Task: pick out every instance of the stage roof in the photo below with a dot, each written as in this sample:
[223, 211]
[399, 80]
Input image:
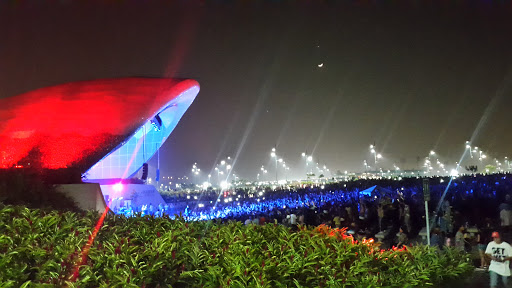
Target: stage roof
[107, 128]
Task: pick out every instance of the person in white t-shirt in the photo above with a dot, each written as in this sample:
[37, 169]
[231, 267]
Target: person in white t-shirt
[500, 253]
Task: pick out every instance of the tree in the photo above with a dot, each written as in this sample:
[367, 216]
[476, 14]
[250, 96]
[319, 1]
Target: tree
[490, 169]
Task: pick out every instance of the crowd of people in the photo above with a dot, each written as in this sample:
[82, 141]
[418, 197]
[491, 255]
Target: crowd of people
[393, 211]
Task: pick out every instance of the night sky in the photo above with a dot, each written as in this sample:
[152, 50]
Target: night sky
[410, 78]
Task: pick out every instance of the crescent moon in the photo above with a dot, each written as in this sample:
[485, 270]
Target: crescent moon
[321, 65]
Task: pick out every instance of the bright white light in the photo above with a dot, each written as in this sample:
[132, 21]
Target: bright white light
[224, 185]
[222, 162]
[195, 197]
[379, 156]
[321, 65]
[188, 196]
[484, 156]
[310, 158]
[273, 149]
[228, 167]
[280, 160]
[118, 187]
[322, 187]
[372, 150]
[371, 146]
[226, 200]
[432, 153]
[272, 154]
[260, 193]
[303, 154]
[200, 205]
[454, 173]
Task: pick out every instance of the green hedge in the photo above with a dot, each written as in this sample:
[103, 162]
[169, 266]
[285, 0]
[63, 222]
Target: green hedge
[41, 249]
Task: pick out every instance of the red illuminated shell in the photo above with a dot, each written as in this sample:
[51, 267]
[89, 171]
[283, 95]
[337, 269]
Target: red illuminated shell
[78, 123]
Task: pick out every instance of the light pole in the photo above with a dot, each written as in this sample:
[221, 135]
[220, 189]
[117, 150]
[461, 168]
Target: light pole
[309, 159]
[195, 169]
[263, 170]
[431, 155]
[427, 165]
[498, 164]
[375, 155]
[274, 155]
[482, 156]
[372, 150]
[468, 146]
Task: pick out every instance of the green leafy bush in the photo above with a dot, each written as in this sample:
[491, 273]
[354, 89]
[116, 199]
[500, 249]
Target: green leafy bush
[44, 248]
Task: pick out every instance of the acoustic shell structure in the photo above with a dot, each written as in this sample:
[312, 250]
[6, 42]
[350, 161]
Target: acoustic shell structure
[106, 128]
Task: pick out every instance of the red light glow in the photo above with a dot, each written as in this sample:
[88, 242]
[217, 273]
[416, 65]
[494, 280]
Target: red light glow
[78, 123]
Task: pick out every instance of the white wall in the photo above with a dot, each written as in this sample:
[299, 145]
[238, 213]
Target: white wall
[87, 196]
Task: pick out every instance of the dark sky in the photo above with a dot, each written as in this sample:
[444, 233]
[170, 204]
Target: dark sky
[409, 77]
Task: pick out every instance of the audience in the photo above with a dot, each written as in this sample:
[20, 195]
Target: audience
[396, 208]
